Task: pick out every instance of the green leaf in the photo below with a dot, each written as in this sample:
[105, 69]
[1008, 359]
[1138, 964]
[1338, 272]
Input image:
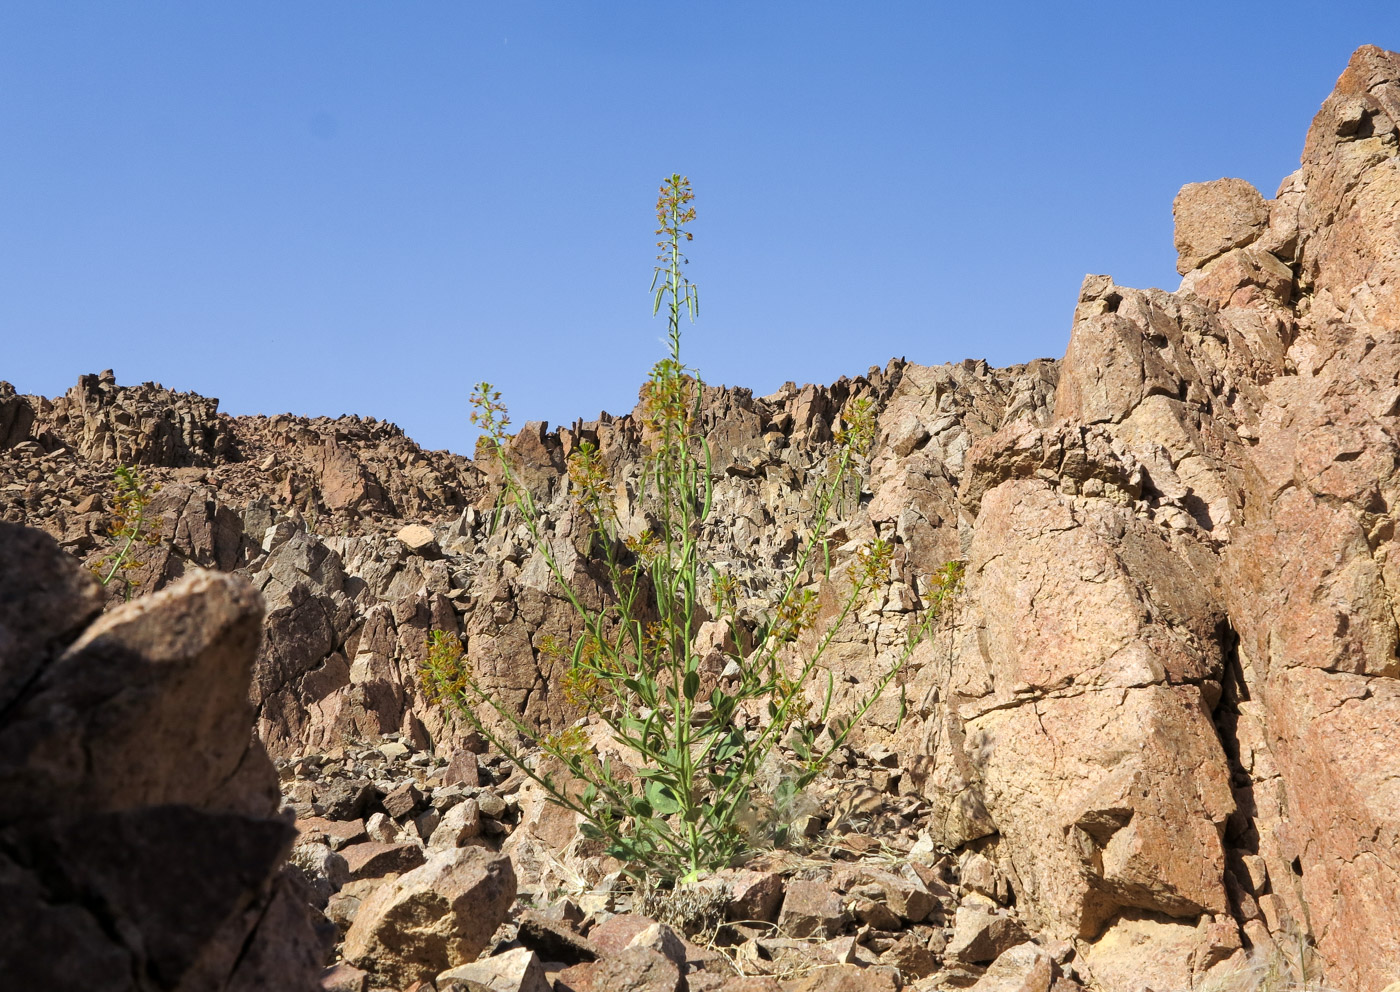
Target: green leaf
[659, 775]
[662, 798]
[692, 684]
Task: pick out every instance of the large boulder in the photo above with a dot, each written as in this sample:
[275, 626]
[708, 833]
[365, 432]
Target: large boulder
[1214, 217]
[137, 814]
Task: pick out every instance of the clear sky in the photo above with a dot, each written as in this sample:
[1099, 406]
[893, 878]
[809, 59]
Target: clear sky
[330, 207]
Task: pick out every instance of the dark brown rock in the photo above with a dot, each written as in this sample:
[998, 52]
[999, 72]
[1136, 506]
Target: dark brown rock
[554, 940]
[462, 769]
[403, 800]
[345, 800]
[373, 859]
[46, 599]
[16, 417]
[138, 819]
[912, 957]
[635, 969]
[754, 895]
[811, 909]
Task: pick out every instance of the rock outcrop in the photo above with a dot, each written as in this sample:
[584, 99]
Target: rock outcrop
[1157, 732]
[140, 846]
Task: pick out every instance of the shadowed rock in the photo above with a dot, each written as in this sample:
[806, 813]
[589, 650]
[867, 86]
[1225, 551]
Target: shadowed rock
[139, 846]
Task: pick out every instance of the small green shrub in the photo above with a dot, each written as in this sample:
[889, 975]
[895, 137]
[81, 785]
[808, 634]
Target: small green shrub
[131, 495]
[688, 804]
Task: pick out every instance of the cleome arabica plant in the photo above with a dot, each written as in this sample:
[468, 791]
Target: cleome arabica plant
[686, 802]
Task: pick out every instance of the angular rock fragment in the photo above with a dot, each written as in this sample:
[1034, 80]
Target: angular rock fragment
[850, 978]
[753, 895]
[1022, 968]
[511, 971]
[1214, 217]
[554, 940]
[811, 909]
[634, 969]
[375, 859]
[343, 978]
[433, 918]
[981, 935]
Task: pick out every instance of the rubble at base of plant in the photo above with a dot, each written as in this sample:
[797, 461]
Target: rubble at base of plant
[867, 902]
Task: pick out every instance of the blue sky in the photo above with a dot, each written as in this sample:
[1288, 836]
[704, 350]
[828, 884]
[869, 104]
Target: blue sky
[331, 208]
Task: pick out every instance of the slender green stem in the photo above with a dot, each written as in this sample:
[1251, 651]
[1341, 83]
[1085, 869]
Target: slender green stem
[121, 557]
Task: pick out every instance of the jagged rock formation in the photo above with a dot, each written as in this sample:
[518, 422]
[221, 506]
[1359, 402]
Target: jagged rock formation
[139, 842]
[1166, 707]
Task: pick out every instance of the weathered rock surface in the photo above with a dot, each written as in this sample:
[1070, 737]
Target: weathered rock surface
[1213, 218]
[433, 918]
[139, 842]
[635, 969]
[1022, 968]
[514, 971]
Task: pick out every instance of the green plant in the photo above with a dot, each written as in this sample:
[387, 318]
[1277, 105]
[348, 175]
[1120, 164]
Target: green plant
[687, 805]
[131, 495]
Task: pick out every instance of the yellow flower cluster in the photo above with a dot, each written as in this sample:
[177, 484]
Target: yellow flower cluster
[569, 743]
[588, 480]
[445, 674]
[857, 432]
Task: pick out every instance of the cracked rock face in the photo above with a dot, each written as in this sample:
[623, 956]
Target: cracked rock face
[139, 846]
[1164, 712]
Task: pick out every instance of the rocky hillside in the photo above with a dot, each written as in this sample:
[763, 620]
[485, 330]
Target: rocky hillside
[1162, 722]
